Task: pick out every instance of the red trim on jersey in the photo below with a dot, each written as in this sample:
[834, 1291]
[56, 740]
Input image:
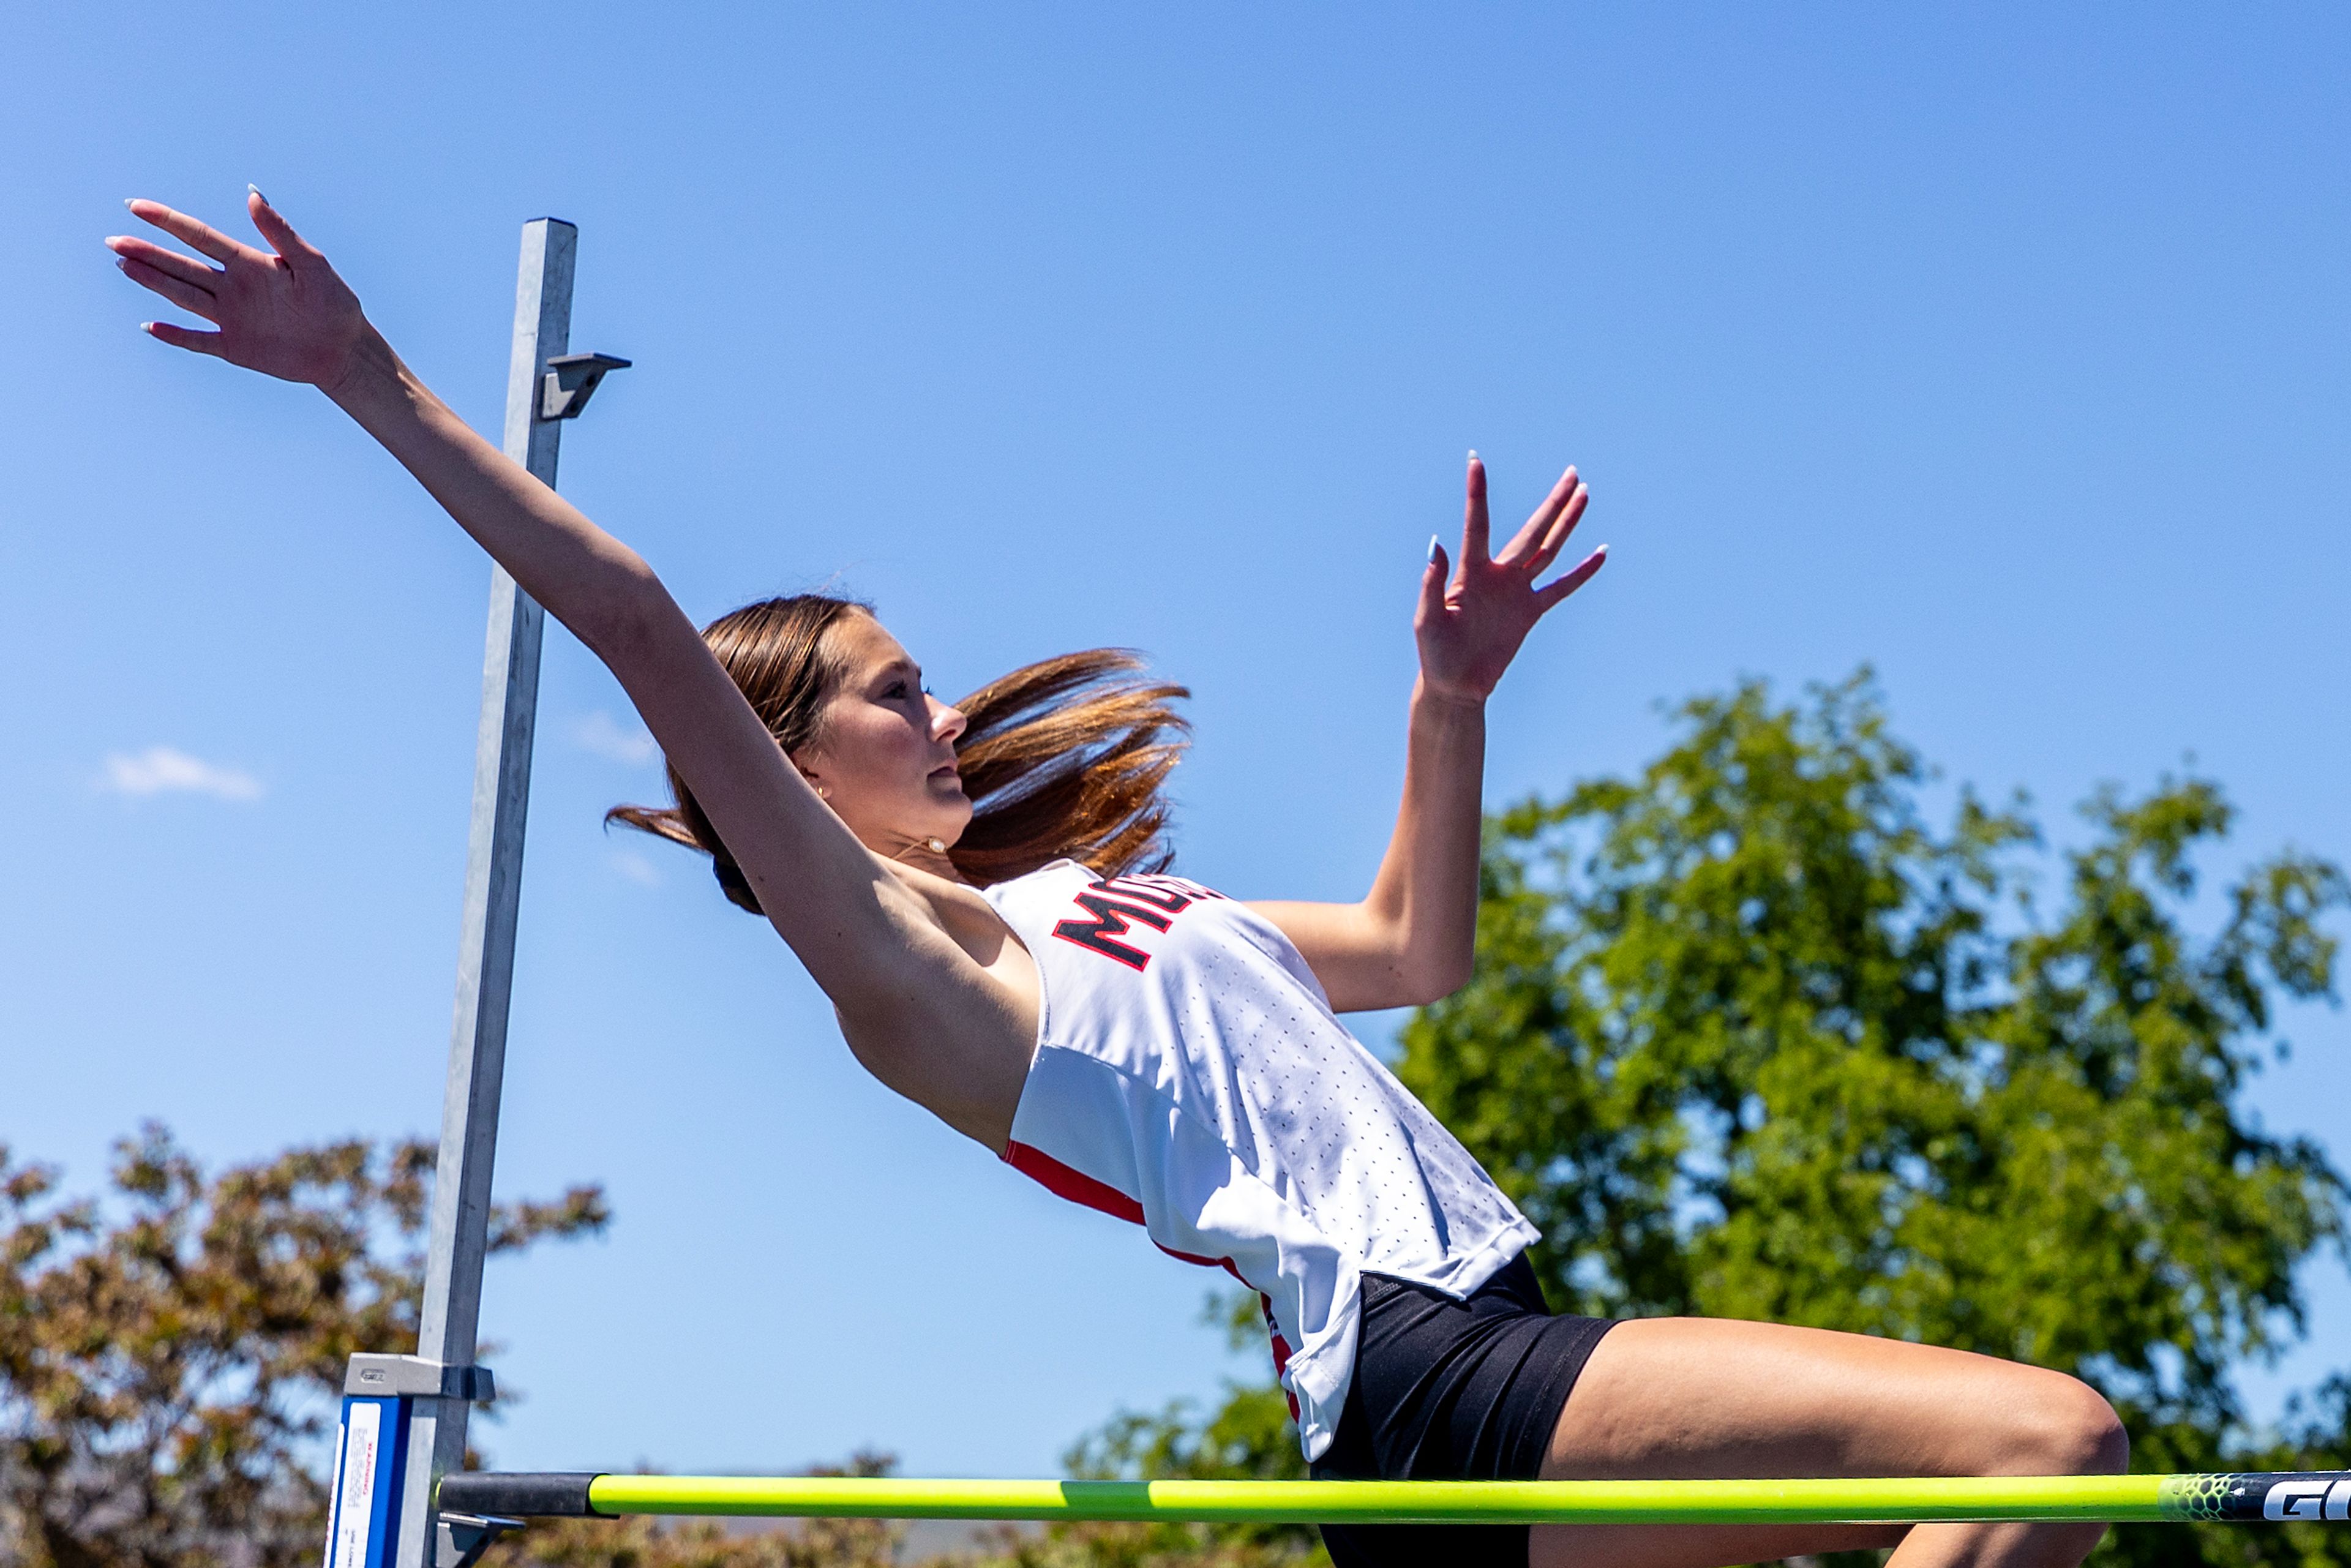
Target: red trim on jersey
[1224, 1263]
[1280, 1351]
[1063, 1181]
[1273, 1332]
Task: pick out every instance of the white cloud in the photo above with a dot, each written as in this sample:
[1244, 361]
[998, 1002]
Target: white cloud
[614, 740]
[636, 868]
[167, 770]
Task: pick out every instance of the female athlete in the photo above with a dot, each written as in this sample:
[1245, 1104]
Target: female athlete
[980, 894]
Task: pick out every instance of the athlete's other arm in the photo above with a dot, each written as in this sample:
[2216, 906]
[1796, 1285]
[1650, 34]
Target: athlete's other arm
[866, 939]
[1409, 941]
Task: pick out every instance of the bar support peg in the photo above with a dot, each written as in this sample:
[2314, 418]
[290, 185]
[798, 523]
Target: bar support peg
[570, 380]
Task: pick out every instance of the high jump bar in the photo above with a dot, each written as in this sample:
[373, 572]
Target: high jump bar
[2280, 1496]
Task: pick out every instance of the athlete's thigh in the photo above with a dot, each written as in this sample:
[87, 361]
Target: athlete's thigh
[1671, 1398]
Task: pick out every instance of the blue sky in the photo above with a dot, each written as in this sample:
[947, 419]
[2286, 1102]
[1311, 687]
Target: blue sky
[1998, 348]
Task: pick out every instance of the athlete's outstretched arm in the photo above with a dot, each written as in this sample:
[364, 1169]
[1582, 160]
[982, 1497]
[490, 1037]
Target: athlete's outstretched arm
[865, 937]
[1409, 941]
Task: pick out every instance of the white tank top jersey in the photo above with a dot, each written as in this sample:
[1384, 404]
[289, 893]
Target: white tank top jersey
[1191, 1076]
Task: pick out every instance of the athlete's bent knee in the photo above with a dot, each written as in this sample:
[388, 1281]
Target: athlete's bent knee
[2066, 1429]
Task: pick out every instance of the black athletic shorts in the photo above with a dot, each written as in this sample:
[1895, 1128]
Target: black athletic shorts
[1448, 1390]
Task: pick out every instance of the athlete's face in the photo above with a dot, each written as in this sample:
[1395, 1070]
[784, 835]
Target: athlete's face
[885, 752]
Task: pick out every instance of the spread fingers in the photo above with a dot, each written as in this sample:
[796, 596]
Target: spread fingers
[1581, 573]
[170, 263]
[1474, 522]
[1537, 528]
[186, 296]
[1561, 527]
[199, 236]
[184, 338]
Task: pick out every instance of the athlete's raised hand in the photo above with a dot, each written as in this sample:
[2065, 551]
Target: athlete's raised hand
[1471, 620]
[282, 312]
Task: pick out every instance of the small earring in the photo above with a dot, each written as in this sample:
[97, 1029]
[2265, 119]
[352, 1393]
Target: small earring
[937, 846]
[823, 793]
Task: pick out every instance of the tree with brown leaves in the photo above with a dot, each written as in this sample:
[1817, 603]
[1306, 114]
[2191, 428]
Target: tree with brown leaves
[172, 1356]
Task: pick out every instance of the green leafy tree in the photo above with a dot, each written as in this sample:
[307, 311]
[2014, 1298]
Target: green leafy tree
[168, 1359]
[1752, 1037]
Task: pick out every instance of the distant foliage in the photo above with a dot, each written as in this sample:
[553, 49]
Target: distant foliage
[169, 1357]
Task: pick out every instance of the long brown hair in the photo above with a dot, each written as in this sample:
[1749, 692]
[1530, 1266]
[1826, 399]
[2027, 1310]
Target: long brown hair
[1063, 759]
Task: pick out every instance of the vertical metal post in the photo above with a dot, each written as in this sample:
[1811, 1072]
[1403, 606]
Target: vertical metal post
[469, 1113]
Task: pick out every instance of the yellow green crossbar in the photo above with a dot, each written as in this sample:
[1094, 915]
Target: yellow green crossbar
[2282, 1495]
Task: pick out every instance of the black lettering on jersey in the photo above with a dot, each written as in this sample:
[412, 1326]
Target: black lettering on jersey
[1109, 922]
[1118, 904]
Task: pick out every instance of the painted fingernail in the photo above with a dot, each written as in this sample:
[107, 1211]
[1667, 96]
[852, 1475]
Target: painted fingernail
[1432, 549]
[257, 191]
[1473, 454]
[128, 200]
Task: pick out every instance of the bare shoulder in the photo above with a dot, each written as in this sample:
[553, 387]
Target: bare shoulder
[971, 922]
[962, 1049]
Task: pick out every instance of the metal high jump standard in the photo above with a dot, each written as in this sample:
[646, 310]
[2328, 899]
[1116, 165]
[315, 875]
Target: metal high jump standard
[401, 1498]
